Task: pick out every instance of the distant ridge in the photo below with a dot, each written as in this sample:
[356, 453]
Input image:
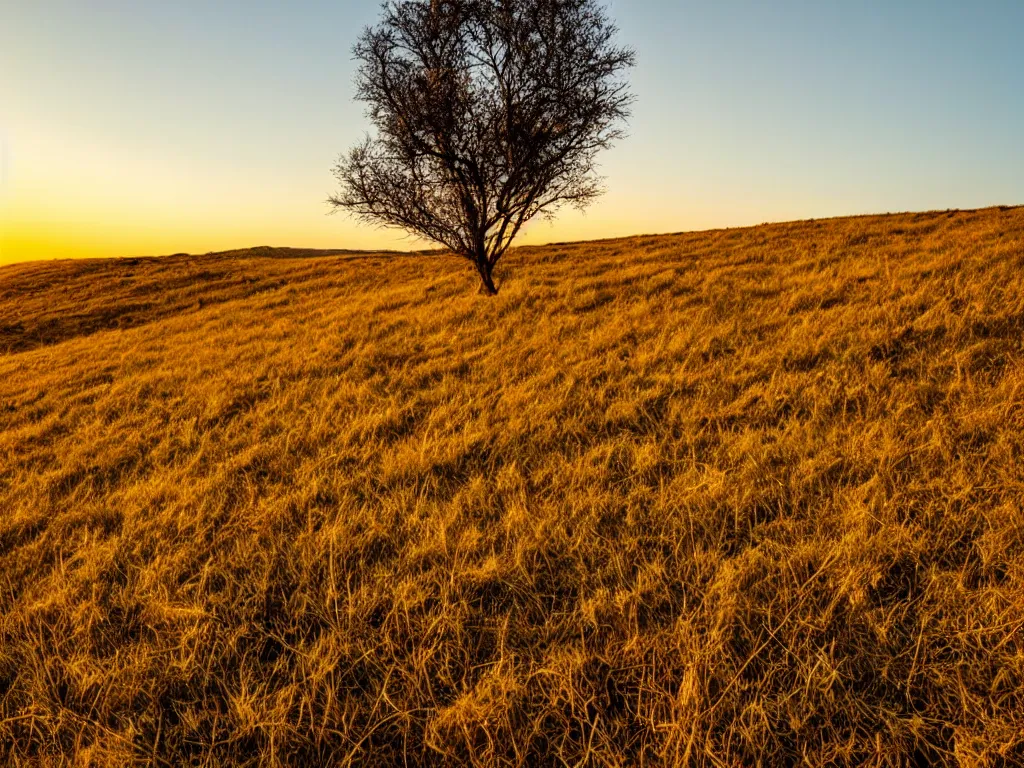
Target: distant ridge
[274, 252]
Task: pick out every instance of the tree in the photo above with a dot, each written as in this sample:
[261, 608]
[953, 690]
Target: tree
[487, 113]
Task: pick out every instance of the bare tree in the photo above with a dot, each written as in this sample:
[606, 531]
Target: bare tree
[487, 112]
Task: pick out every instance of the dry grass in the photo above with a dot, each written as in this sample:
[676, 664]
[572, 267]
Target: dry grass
[728, 498]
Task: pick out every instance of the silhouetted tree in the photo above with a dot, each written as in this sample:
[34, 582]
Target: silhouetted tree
[487, 113]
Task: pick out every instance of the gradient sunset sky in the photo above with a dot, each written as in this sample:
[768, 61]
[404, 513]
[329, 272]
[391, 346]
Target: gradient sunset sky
[131, 128]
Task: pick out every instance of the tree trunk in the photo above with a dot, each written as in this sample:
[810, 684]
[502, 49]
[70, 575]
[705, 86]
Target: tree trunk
[487, 286]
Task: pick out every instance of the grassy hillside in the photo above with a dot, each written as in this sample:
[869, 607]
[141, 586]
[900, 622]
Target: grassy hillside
[739, 497]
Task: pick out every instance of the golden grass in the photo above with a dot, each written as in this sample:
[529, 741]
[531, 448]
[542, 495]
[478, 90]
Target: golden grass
[727, 498]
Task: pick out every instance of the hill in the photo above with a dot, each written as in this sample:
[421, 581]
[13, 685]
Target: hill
[737, 497]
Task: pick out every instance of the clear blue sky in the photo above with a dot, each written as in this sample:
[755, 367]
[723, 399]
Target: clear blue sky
[149, 127]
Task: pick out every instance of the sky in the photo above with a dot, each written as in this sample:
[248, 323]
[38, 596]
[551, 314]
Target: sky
[133, 127]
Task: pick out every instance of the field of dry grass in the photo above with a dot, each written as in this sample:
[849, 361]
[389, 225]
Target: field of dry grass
[741, 497]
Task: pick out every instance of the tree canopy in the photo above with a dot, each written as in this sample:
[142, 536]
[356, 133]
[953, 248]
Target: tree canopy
[487, 113]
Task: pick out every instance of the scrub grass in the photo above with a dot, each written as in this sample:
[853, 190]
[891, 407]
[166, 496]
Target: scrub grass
[739, 497]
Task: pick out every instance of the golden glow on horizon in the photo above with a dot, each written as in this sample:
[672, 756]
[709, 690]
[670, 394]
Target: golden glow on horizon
[33, 231]
[79, 198]
[35, 225]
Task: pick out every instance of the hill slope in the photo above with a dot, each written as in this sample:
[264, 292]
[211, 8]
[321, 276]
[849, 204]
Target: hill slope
[713, 498]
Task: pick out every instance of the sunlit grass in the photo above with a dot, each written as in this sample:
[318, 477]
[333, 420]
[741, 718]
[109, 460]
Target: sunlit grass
[727, 498]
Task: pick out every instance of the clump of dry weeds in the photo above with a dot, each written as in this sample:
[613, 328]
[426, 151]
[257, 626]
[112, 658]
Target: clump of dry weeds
[727, 498]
